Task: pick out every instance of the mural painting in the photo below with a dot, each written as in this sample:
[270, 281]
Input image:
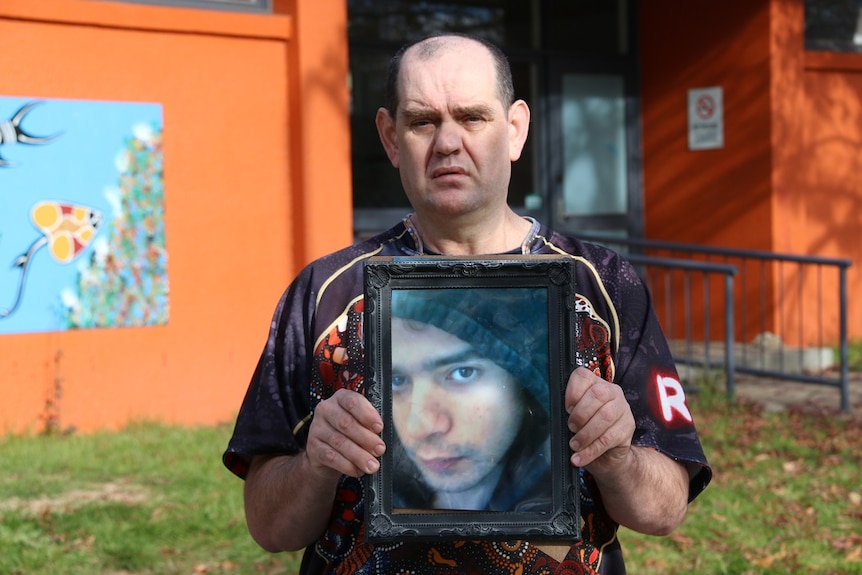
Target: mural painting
[82, 230]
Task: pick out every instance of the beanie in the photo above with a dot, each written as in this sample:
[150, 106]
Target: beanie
[508, 326]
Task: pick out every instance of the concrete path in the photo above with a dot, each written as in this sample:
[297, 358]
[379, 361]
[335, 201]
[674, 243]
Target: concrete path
[778, 395]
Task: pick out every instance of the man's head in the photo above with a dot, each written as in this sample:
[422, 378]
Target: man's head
[451, 127]
[469, 373]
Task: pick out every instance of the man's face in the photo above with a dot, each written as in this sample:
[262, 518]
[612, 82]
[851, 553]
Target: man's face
[453, 140]
[455, 412]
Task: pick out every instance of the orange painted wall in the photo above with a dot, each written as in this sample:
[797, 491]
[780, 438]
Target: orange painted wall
[787, 179]
[720, 197]
[818, 158]
[247, 200]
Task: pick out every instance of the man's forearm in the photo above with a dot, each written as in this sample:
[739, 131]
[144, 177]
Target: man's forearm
[648, 493]
[287, 505]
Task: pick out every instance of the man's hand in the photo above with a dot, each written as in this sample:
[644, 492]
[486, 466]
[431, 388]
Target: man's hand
[288, 497]
[344, 435]
[601, 419]
[642, 488]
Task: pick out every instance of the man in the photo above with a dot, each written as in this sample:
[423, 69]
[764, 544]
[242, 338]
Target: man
[305, 433]
[470, 399]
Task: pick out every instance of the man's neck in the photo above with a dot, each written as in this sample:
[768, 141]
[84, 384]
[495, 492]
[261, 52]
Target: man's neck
[461, 237]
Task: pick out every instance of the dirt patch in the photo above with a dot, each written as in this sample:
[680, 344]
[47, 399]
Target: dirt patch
[114, 492]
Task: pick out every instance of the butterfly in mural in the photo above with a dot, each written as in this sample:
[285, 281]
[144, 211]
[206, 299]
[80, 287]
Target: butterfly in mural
[66, 229]
[11, 131]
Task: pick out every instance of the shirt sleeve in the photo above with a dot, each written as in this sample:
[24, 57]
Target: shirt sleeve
[647, 373]
[276, 403]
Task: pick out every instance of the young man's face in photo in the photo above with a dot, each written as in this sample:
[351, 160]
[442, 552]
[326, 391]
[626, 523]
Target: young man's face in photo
[455, 412]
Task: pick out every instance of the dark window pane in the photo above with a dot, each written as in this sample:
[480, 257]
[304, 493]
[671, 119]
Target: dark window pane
[586, 27]
[523, 171]
[506, 22]
[833, 25]
[375, 182]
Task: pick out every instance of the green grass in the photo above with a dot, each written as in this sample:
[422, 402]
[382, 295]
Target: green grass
[155, 500]
[148, 500]
[854, 355]
[786, 497]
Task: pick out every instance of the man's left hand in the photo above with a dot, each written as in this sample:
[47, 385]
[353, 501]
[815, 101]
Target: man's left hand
[601, 419]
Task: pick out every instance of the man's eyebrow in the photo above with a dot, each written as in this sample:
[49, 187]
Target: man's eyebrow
[477, 110]
[418, 113]
[462, 356]
[415, 113]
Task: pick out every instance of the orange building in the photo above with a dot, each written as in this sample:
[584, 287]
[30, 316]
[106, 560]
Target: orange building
[260, 175]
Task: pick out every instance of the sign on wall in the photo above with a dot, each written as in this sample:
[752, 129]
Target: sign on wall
[82, 231]
[705, 119]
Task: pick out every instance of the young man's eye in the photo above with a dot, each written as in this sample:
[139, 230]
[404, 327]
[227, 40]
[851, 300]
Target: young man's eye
[399, 382]
[463, 374]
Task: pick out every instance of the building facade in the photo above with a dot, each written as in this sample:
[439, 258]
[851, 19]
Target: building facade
[271, 159]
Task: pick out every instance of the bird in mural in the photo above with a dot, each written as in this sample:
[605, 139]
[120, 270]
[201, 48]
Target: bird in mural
[11, 131]
[66, 229]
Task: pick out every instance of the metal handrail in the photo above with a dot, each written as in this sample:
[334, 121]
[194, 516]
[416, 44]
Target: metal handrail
[726, 270]
[840, 264]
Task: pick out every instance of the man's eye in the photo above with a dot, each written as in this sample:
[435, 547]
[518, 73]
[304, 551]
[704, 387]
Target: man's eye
[464, 374]
[399, 382]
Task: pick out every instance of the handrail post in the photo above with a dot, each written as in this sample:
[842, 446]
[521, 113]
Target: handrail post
[729, 335]
[844, 351]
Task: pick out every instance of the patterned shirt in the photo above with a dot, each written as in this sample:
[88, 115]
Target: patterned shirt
[315, 347]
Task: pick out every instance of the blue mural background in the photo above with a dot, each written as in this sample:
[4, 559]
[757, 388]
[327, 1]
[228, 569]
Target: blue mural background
[107, 157]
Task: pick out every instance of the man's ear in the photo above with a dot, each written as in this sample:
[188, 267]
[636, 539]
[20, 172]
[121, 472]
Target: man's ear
[388, 136]
[519, 127]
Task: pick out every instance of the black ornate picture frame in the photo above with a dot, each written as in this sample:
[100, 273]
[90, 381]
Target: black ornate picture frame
[467, 362]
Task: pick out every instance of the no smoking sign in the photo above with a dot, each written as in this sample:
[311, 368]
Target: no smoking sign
[705, 119]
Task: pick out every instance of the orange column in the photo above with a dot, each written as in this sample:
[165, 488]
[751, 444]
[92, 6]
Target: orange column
[320, 130]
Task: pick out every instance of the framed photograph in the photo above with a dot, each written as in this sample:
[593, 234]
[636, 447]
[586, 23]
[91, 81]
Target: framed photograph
[467, 362]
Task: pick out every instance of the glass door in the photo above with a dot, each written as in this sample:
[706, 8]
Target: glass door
[595, 166]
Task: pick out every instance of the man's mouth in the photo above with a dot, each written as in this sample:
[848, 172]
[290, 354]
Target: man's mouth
[440, 464]
[448, 171]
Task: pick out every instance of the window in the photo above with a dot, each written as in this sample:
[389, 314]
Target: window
[833, 25]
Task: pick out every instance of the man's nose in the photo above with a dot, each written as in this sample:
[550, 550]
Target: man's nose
[447, 140]
[429, 413]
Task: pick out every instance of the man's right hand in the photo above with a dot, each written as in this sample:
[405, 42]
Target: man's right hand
[344, 435]
[288, 497]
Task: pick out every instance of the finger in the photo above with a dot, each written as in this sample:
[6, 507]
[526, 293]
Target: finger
[347, 459]
[601, 421]
[340, 436]
[360, 408]
[330, 447]
[358, 420]
[580, 381]
[606, 430]
[585, 395]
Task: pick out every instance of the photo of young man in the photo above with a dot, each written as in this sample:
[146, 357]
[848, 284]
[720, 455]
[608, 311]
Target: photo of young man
[470, 399]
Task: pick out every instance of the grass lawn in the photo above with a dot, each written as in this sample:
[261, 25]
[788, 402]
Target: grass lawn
[155, 500]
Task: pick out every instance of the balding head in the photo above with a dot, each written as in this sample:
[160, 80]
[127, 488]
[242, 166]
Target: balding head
[432, 47]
